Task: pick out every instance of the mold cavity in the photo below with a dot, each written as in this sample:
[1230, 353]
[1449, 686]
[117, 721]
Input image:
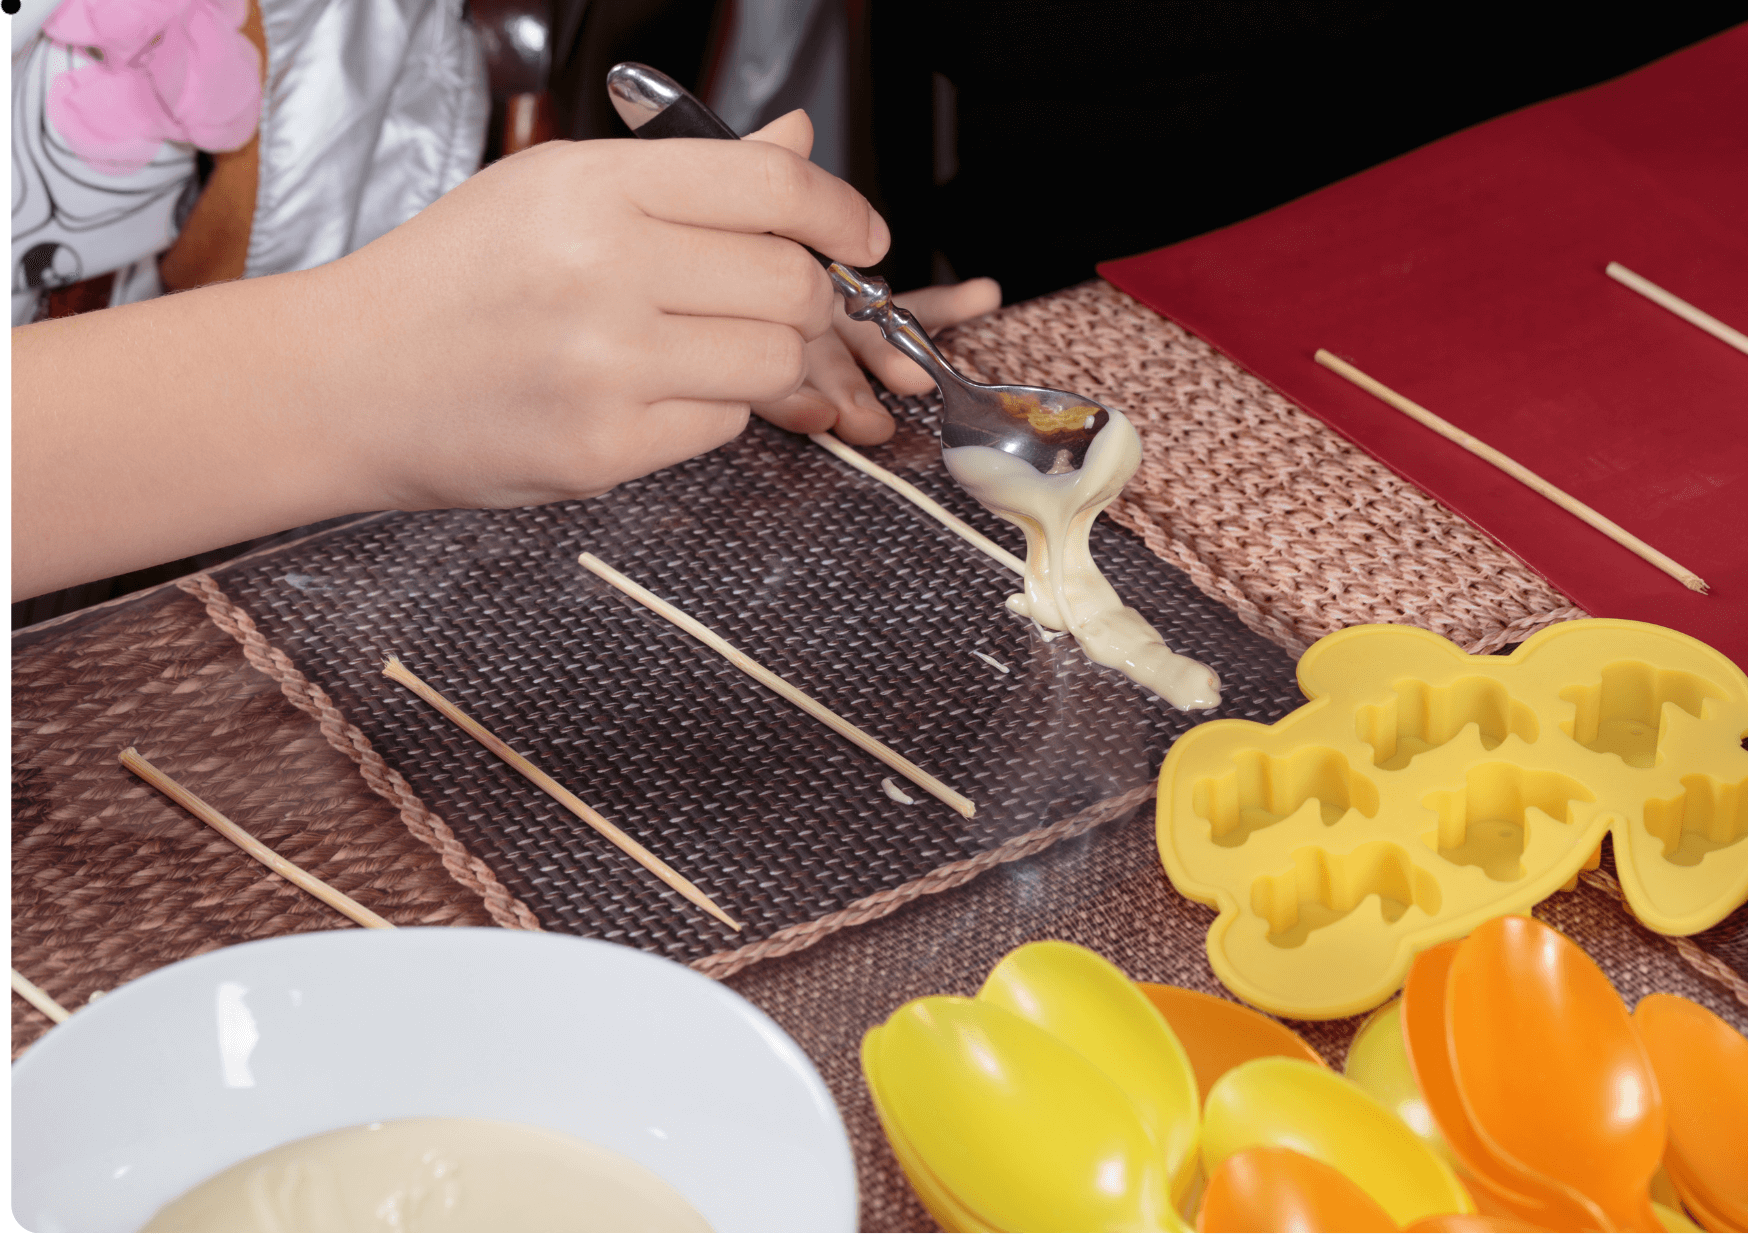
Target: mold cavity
[1704, 817]
[1262, 789]
[1321, 889]
[1485, 824]
[1421, 717]
[1624, 714]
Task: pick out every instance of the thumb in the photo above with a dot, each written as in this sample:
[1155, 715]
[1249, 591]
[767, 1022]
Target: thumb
[792, 131]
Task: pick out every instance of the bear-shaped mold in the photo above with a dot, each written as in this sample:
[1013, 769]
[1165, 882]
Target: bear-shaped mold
[1261, 790]
[1622, 713]
[1486, 822]
[1704, 817]
[1421, 717]
[1322, 888]
[1421, 790]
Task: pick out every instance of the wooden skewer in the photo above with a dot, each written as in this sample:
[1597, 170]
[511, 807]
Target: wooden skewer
[339, 900]
[1584, 512]
[397, 671]
[765, 676]
[1670, 302]
[849, 456]
[38, 998]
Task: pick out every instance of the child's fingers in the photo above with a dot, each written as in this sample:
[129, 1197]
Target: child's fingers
[731, 275]
[937, 307]
[944, 305]
[671, 431]
[793, 131]
[752, 187]
[709, 359]
[805, 411]
[836, 397]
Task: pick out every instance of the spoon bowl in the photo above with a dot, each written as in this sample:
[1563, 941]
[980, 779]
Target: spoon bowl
[1276, 1189]
[1023, 1132]
[943, 1207]
[1218, 1034]
[1292, 1104]
[1088, 1003]
[1377, 1061]
[1702, 1070]
[1550, 1069]
[1512, 1188]
[1469, 1222]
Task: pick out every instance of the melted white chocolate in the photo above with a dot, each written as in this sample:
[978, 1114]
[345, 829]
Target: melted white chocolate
[433, 1175]
[1064, 588]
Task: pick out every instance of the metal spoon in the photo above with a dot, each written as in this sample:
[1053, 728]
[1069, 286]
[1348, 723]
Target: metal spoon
[1048, 429]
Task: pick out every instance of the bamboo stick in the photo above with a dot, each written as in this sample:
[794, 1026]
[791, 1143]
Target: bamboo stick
[1584, 512]
[1670, 302]
[38, 998]
[849, 456]
[338, 900]
[395, 670]
[765, 676]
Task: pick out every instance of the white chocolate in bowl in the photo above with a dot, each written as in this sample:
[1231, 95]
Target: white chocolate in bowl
[1064, 588]
[433, 1175]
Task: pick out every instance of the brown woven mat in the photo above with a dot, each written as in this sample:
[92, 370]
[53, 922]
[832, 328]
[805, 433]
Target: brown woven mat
[1107, 892]
[821, 574]
[1264, 507]
[109, 879]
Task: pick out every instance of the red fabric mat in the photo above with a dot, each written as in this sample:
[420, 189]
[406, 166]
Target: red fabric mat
[1468, 275]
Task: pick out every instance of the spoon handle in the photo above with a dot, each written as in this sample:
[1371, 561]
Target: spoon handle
[653, 105]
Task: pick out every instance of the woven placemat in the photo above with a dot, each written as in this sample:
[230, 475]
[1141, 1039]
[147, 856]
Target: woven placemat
[1296, 529]
[1105, 891]
[1261, 505]
[818, 572]
[111, 879]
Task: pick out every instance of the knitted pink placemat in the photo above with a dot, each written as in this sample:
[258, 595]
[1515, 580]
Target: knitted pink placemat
[1293, 527]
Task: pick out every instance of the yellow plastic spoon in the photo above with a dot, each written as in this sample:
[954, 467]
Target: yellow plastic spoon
[1277, 1189]
[1377, 1061]
[1499, 1187]
[1218, 1034]
[1702, 1070]
[1550, 1069]
[1088, 1003]
[1290, 1103]
[942, 1206]
[1020, 1130]
[1674, 1220]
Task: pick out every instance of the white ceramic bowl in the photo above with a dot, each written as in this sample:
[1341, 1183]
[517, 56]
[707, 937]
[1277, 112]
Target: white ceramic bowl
[185, 1071]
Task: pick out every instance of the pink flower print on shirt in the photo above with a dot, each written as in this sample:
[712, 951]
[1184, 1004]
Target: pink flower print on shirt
[161, 71]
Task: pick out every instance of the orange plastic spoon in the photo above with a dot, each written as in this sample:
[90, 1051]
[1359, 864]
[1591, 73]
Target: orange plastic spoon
[1218, 1034]
[1270, 1188]
[1469, 1222]
[1530, 1197]
[1550, 1070]
[1702, 1069]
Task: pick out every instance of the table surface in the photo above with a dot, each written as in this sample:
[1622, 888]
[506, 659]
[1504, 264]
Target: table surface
[1265, 508]
[1468, 276]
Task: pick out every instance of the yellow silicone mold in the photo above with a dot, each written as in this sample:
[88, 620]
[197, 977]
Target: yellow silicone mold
[1422, 791]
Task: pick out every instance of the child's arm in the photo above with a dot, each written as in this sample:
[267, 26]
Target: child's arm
[572, 317]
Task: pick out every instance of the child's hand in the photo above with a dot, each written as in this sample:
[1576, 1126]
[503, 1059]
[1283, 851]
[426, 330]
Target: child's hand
[584, 313]
[836, 396]
[574, 316]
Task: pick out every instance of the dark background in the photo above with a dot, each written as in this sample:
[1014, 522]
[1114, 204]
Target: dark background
[1079, 130]
[1031, 139]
